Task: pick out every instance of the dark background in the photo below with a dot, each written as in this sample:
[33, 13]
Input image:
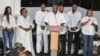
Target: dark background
[88, 4]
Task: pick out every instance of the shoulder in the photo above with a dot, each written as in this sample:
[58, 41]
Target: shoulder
[49, 13]
[84, 18]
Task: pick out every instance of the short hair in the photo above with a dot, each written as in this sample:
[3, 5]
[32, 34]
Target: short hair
[88, 11]
[55, 4]
[43, 4]
[74, 4]
[61, 5]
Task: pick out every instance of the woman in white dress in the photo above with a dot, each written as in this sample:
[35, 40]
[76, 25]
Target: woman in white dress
[24, 33]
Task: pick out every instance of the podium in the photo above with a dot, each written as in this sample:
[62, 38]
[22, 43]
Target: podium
[54, 32]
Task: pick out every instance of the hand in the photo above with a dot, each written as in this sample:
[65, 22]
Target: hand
[73, 28]
[88, 20]
[42, 27]
[9, 29]
[93, 24]
[62, 24]
[27, 29]
[46, 23]
[76, 27]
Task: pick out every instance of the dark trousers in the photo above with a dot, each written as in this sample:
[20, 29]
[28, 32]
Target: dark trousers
[76, 41]
[62, 40]
[49, 51]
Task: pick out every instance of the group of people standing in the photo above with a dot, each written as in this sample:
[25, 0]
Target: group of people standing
[74, 25]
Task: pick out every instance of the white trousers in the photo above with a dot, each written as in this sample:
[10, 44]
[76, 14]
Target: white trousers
[41, 40]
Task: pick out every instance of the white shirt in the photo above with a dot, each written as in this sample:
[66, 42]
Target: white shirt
[64, 17]
[25, 22]
[39, 17]
[55, 19]
[74, 20]
[88, 29]
[11, 23]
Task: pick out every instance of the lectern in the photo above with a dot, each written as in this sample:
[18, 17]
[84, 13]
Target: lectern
[54, 32]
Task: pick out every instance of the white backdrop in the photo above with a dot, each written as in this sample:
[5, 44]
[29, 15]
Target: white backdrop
[32, 11]
[15, 5]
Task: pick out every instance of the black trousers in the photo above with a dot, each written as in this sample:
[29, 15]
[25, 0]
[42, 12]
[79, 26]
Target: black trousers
[76, 41]
[62, 41]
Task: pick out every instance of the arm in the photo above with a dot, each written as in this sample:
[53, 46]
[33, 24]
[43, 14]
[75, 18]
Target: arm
[3, 22]
[94, 23]
[19, 23]
[31, 25]
[37, 18]
[64, 20]
[46, 20]
[14, 22]
[84, 22]
[79, 19]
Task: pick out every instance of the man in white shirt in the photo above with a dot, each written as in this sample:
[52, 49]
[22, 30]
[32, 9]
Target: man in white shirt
[62, 36]
[42, 39]
[74, 29]
[54, 18]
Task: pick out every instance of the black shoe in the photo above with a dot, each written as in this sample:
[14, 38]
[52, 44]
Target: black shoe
[75, 55]
[38, 54]
[46, 54]
[68, 54]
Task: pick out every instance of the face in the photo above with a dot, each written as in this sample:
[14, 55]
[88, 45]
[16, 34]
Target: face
[24, 13]
[74, 8]
[43, 7]
[61, 9]
[89, 13]
[9, 11]
[55, 8]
